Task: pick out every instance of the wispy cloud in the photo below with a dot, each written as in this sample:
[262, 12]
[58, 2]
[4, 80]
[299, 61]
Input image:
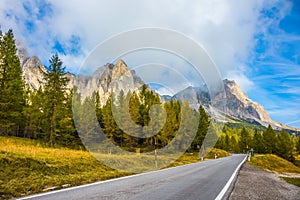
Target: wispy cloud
[225, 28]
[243, 38]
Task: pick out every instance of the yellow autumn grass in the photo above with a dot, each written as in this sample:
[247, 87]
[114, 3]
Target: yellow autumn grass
[274, 163]
[28, 167]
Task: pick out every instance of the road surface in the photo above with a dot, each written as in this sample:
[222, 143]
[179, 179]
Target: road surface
[203, 180]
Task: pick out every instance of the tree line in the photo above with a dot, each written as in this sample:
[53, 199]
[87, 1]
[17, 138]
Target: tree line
[262, 142]
[46, 114]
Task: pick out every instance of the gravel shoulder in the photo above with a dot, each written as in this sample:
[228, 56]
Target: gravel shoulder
[253, 183]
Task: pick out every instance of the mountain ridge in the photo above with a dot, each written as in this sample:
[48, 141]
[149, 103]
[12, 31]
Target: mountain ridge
[118, 77]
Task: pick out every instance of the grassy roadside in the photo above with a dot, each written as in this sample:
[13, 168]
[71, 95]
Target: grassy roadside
[188, 158]
[276, 164]
[294, 181]
[27, 167]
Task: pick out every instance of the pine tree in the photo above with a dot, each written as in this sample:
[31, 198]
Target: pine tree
[202, 128]
[234, 144]
[11, 87]
[188, 126]
[245, 140]
[55, 97]
[171, 126]
[258, 142]
[134, 105]
[98, 108]
[285, 146]
[270, 140]
[221, 142]
[110, 125]
[34, 114]
[67, 132]
[120, 116]
[227, 142]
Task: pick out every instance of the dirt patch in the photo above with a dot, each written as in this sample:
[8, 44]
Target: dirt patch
[253, 183]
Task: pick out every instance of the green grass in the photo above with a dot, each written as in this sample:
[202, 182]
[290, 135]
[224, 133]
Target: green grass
[28, 167]
[274, 163]
[294, 181]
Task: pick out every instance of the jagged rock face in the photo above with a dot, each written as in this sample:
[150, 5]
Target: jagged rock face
[114, 78]
[237, 102]
[194, 95]
[239, 105]
[33, 72]
[108, 79]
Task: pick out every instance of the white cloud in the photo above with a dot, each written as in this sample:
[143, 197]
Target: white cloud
[225, 28]
[243, 82]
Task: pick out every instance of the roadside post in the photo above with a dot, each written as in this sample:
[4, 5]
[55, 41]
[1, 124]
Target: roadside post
[252, 152]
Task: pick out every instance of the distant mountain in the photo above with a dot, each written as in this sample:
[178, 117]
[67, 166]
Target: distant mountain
[113, 78]
[108, 78]
[238, 105]
[165, 98]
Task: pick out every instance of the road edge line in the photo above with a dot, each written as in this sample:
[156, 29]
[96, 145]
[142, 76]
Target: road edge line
[101, 182]
[226, 187]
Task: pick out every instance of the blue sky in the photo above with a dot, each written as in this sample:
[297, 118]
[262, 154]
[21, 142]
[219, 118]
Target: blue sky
[256, 43]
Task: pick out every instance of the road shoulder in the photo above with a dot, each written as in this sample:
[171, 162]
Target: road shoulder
[254, 183]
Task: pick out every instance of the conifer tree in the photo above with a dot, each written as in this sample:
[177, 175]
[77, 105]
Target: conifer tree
[234, 144]
[227, 142]
[98, 108]
[55, 97]
[187, 127]
[270, 140]
[171, 126]
[285, 146]
[34, 114]
[110, 125]
[11, 87]
[258, 142]
[202, 128]
[245, 140]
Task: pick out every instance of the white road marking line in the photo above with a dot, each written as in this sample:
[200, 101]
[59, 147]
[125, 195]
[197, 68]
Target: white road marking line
[226, 187]
[101, 182]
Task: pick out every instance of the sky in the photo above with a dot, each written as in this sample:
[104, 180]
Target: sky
[256, 43]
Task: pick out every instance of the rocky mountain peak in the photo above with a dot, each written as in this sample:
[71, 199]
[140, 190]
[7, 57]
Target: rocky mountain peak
[108, 79]
[233, 88]
[120, 69]
[239, 104]
[114, 78]
[33, 72]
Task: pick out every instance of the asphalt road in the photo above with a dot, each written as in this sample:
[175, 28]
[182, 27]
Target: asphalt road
[203, 180]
